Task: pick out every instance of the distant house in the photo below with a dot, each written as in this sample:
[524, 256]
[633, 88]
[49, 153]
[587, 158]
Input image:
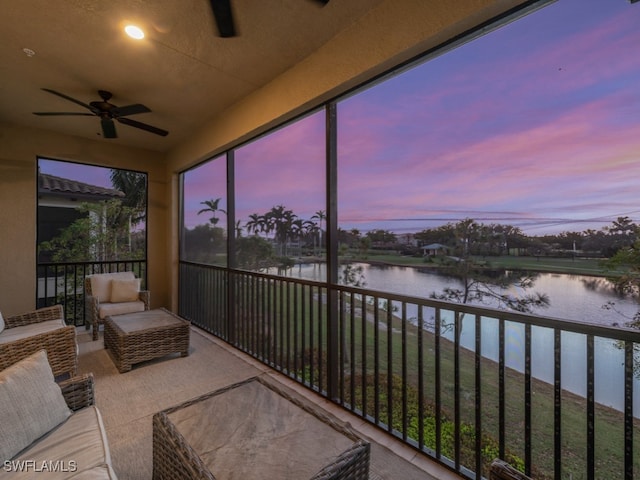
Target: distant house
[407, 239]
[434, 249]
[58, 200]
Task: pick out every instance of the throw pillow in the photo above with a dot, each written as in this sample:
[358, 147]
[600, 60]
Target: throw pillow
[101, 284]
[1, 323]
[31, 404]
[125, 290]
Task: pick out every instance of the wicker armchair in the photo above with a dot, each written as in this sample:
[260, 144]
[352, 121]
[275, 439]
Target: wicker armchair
[99, 303]
[27, 333]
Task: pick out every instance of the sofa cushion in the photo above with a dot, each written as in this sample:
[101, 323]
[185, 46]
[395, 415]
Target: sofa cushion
[81, 440]
[101, 284]
[101, 472]
[25, 331]
[125, 290]
[31, 404]
[107, 309]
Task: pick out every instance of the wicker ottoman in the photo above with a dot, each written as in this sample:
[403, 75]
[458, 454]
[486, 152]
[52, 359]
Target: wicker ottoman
[137, 337]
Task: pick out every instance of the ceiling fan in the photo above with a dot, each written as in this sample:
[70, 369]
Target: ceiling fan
[223, 15]
[108, 112]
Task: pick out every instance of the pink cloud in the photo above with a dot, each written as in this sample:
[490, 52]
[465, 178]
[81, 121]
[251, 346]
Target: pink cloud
[537, 121]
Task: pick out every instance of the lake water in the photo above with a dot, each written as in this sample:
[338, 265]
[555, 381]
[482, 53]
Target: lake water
[574, 297]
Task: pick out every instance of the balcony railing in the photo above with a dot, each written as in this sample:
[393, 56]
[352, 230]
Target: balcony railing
[63, 283]
[459, 383]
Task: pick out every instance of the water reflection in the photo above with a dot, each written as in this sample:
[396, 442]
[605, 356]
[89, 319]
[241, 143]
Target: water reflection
[573, 297]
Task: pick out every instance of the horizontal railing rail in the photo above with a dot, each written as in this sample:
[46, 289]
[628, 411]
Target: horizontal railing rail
[63, 283]
[461, 383]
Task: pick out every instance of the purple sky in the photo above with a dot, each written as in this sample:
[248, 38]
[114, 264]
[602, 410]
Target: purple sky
[536, 124]
[76, 171]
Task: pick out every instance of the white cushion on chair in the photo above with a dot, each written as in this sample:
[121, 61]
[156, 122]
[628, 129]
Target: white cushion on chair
[82, 438]
[125, 290]
[1, 323]
[108, 309]
[31, 404]
[30, 330]
[101, 284]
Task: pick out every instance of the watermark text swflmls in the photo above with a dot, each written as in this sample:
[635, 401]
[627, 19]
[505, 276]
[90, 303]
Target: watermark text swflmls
[63, 466]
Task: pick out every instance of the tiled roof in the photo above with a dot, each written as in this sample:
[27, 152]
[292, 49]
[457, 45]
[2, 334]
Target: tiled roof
[52, 184]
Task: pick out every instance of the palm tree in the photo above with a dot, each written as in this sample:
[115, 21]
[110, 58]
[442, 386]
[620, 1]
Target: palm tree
[278, 220]
[320, 215]
[255, 223]
[212, 206]
[133, 206]
[311, 230]
[134, 187]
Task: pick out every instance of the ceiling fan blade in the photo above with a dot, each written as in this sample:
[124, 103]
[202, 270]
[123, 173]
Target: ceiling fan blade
[224, 17]
[108, 128]
[129, 110]
[142, 126]
[71, 99]
[64, 113]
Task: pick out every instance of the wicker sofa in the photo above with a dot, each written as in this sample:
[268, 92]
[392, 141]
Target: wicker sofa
[44, 328]
[50, 429]
[107, 294]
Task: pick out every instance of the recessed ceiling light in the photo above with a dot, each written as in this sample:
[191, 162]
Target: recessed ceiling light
[28, 52]
[134, 32]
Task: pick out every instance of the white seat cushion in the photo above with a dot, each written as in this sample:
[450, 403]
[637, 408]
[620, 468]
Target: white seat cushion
[107, 309]
[81, 438]
[25, 331]
[102, 472]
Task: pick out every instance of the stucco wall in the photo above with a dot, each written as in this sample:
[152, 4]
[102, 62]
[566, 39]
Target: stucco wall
[19, 149]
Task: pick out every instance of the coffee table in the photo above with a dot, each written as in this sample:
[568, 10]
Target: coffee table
[255, 429]
[136, 337]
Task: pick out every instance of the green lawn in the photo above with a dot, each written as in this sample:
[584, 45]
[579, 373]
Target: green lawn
[292, 330]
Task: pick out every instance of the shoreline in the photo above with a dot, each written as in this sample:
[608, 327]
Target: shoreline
[541, 265]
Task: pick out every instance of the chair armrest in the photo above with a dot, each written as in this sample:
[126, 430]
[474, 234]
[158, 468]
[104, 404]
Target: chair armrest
[91, 306]
[145, 296]
[60, 345]
[36, 316]
[90, 300]
[501, 470]
[78, 391]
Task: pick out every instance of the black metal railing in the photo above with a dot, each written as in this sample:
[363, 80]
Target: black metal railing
[63, 283]
[461, 384]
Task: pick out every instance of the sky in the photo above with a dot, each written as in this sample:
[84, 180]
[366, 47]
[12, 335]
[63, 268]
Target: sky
[535, 124]
[90, 174]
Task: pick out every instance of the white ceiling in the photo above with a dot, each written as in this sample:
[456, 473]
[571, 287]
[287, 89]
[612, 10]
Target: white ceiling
[183, 71]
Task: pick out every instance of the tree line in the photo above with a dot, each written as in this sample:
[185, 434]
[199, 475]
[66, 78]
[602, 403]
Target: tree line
[285, 230]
